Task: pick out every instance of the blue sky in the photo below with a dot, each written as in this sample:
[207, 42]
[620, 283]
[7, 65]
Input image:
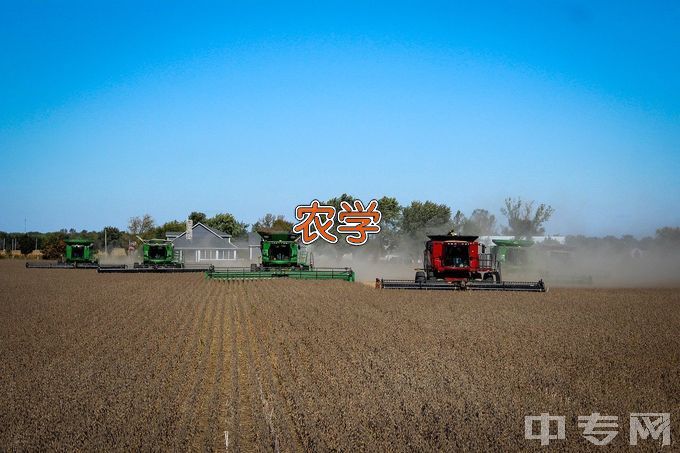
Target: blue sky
[109, 111]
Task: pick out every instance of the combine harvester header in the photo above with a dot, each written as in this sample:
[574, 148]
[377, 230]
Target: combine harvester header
[282, 257]
[454, 262]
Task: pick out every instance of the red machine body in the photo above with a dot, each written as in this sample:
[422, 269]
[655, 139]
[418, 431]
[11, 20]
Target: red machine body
[458, 258]
[455, 263]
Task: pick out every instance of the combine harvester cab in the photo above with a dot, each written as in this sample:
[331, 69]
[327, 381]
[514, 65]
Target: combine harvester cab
[79, 254]
[453, 262]
[282, 257]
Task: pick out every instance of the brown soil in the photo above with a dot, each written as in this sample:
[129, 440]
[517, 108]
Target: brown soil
[172, 362]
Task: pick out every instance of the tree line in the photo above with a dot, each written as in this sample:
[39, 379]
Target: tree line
[523, 218]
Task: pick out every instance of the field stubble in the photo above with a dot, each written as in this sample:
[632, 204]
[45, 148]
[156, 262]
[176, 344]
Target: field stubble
[172, 362]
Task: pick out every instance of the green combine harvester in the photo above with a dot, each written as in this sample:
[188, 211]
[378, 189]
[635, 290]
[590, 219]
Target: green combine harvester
[511, 251]
[552, 261]
[282, 257]
[79, 254]
[158, 255]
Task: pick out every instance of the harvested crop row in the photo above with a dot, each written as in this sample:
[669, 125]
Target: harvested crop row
[123, 362]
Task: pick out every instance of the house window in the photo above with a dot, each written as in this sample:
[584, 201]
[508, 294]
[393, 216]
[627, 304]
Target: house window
[204, 255]
[225, 254]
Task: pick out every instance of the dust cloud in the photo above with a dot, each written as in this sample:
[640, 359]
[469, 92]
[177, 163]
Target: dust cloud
[608, 267]
[596, 267]
[119, 256]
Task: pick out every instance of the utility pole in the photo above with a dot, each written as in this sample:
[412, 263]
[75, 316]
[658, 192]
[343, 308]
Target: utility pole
[24, 225]
[106, 248]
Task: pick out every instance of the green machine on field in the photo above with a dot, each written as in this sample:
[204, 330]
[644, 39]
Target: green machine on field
[283, 250]
[158, 256]
[79, 254]
[553, 260]
[79, 251]
[157, 253]
[511, 251]
[283, 256]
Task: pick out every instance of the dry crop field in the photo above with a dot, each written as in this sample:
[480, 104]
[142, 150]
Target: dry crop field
[173, 362]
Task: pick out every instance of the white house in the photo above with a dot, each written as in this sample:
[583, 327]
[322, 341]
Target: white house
[204, 245]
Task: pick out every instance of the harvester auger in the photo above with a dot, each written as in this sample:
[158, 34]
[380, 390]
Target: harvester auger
[282, 257]
[158, 255]
[79, 254]
[453, 262]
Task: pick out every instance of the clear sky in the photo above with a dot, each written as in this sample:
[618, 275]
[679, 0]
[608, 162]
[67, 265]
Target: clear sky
[109, 110]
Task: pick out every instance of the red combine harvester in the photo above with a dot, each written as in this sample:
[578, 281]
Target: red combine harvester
[453, 262]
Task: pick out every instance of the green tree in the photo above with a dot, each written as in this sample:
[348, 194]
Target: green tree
[391, 212]
[668, 235]
[281, 224]
[173, 225]
[388, 206]
[390, 222]
[335, 201]
[198, 217]
[26, 244]
[54, 246]
[340, 246]
[227, 223]
[481, 223]
[114, 237]
[523, 219]
[420, 216]
[113, 234]
[142, 226]
[273, 223]
[459, 223]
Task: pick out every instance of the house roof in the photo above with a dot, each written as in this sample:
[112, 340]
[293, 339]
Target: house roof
[252, 240]
[218, 233]
[203, 237]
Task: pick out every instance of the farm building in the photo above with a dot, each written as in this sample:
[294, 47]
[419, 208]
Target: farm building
[248, 247]
[203, 245]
